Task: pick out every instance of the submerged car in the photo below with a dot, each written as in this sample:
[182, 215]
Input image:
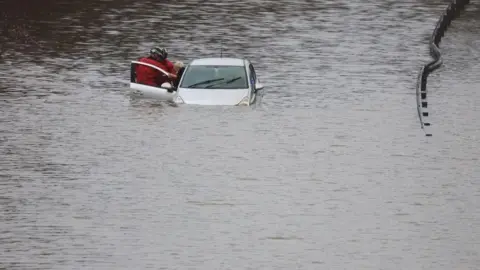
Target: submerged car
[217, 81]
[205, 81]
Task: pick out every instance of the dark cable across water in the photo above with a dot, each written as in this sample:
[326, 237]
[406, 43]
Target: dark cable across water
[451, 12]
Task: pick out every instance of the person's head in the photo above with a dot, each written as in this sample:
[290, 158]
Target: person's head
[159, 54]
[178, 65]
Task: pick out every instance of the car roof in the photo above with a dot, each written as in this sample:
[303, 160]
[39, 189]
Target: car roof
[217, 61]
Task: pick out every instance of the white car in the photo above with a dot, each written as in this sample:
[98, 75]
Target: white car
[207, 81]
[218, 81]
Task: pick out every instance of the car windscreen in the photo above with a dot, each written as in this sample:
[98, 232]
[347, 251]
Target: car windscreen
[215, 77]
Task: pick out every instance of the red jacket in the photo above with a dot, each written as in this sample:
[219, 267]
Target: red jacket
[149, 76]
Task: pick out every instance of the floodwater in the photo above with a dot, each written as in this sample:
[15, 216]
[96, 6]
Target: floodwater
[330, 171]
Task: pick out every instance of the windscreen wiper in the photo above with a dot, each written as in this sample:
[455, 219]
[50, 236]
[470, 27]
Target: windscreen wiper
[207, 81]
[227, 82]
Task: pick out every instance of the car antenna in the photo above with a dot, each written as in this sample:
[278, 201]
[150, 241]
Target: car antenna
[221, 48]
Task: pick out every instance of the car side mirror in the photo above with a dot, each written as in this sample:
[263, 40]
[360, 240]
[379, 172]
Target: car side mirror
[166, 85]
[258, 86]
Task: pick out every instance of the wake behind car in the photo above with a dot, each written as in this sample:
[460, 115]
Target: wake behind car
[211, 81]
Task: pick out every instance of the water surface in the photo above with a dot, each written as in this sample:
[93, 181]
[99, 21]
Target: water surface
[329, 171]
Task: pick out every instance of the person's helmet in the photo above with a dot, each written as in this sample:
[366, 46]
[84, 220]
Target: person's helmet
[159, 53]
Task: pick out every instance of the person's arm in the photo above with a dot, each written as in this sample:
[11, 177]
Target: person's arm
[171, 70]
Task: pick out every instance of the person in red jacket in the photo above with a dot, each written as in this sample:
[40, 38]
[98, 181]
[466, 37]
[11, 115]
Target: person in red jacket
[150, 76]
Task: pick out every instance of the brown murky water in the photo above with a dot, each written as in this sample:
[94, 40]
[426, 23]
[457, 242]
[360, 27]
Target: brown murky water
[329, 171]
